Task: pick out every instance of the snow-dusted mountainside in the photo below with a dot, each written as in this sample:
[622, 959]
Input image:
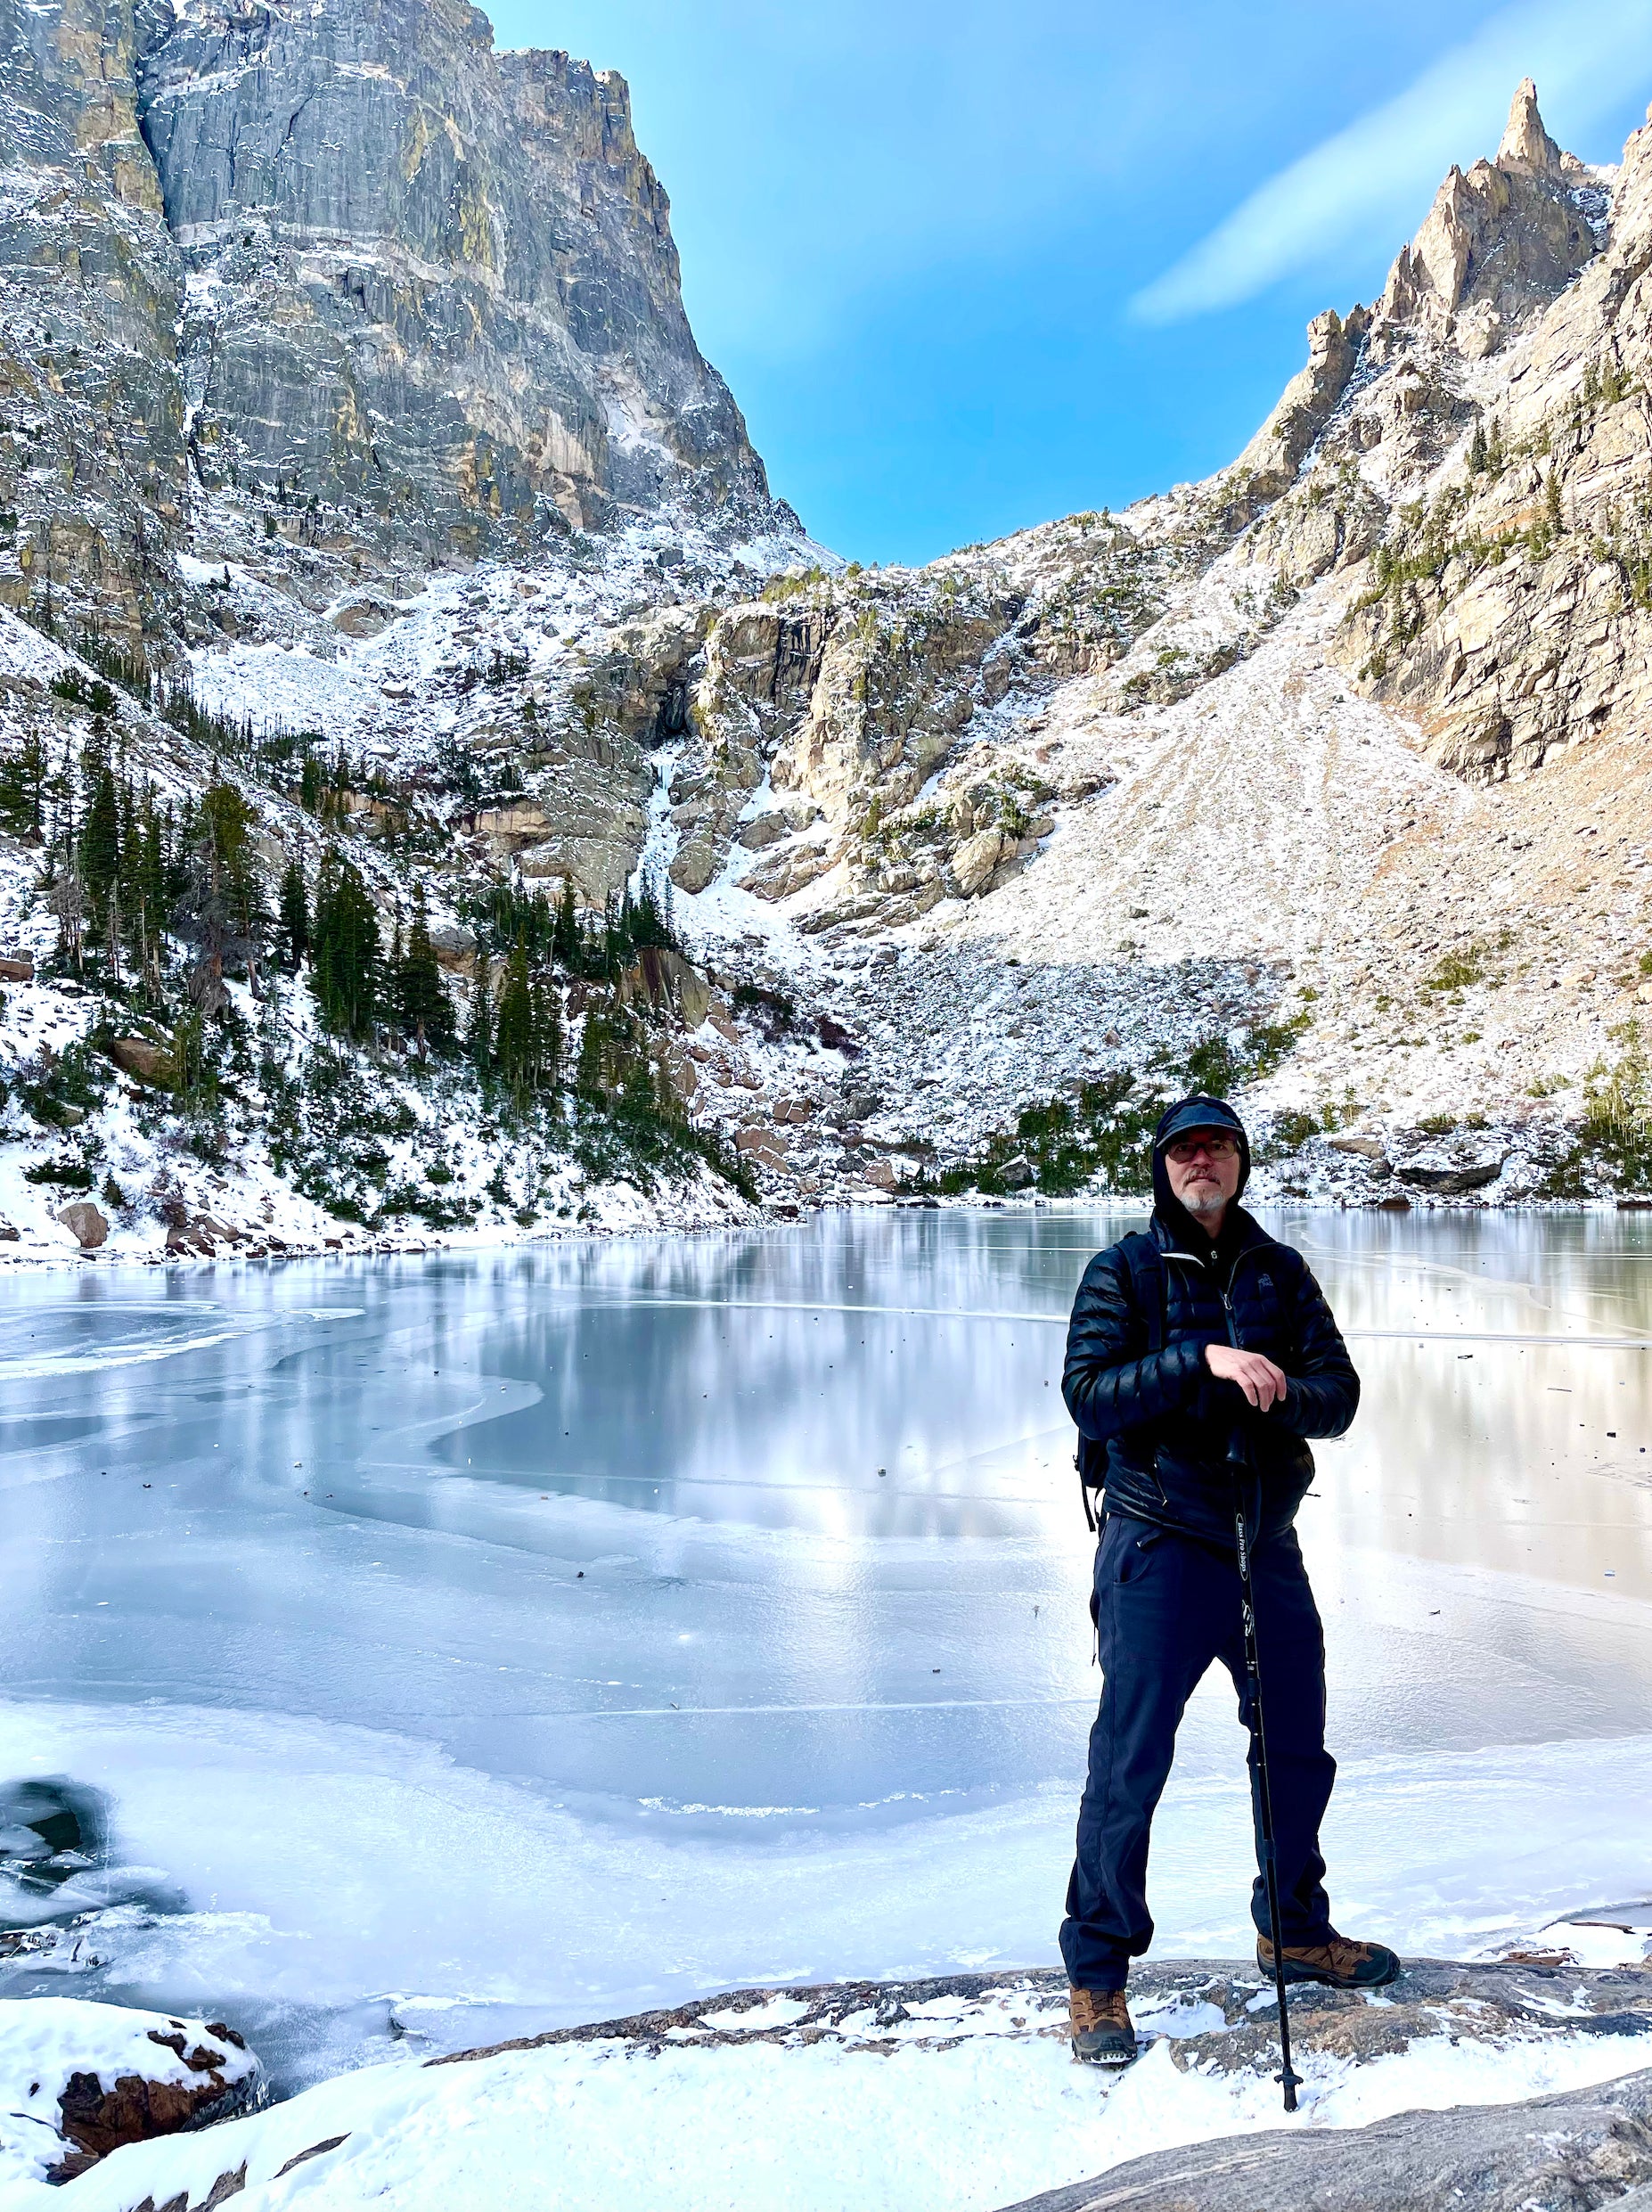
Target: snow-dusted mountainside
[1322, 780]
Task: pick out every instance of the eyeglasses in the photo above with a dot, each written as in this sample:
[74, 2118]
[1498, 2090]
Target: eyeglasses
[1187, 1148]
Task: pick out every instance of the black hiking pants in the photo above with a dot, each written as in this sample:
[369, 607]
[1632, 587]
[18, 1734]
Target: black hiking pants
[1166, 1607]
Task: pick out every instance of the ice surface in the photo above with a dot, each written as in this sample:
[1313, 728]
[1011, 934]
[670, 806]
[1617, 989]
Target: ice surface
[481, 1644]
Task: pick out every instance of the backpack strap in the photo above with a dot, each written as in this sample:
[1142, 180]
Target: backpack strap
[1147, 1282]
[1145, 1266]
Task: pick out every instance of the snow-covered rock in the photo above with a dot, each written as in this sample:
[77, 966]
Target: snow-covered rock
[955, 2096]
[77, 2080]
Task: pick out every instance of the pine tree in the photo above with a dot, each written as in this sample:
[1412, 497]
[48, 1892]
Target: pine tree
[589, 1071]
[182, 832]
[149, 919]
[22, 790]
[1552, 515]
[292, 917]
[1479, 452]
[547, 1033]
[391, 1001]
[99, 840]
[226, 823]
[565, 946]
[422, 1005]
[514, 1044]
[478, 1027]
[131, 882]
[346, 974]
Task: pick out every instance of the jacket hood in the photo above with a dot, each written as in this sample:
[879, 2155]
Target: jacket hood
[1195, 1112]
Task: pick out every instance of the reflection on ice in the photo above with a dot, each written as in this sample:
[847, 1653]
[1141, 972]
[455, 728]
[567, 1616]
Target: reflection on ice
[518, 1638]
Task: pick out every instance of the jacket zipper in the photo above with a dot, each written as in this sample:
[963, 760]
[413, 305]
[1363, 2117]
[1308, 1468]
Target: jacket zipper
[1227, 1308]
[1227, 1312]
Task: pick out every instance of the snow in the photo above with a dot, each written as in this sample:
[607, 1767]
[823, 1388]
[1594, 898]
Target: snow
[985, 2123]
[44, 2040]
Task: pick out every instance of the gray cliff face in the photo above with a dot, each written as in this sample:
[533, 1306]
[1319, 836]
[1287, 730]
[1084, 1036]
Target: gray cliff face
[92, 456]
[345, 251]
[424, 277]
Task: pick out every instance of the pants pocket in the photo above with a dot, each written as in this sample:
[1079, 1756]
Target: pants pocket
[1135, 1557]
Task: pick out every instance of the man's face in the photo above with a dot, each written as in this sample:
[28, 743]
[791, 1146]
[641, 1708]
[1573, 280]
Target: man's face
[1203, 1169]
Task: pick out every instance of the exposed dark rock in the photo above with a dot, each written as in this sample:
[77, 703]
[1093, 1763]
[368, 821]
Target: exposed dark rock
[1452, 1181]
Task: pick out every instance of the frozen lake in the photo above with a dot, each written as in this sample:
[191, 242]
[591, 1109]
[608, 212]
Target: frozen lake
[477, 1644]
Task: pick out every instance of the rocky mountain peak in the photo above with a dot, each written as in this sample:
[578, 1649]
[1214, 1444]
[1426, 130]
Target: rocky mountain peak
[1526, 146]
[1500, 241]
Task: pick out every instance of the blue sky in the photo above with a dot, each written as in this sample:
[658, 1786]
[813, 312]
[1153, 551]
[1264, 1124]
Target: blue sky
[968, 266]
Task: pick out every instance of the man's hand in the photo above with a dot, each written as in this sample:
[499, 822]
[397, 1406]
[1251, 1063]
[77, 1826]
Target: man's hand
[1262, 1383]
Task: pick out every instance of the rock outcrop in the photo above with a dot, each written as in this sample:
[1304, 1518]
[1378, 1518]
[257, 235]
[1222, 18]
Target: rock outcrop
[390, 288]
[94, 466]
[1273, 456]
[1549, 2154]
[427, 278]
[1505, 237]
[79, 2079]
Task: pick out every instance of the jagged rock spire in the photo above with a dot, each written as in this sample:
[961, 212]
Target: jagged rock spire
[1528, 149]
[1499, 241]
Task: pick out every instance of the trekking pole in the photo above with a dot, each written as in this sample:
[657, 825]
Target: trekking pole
[1265, 1802]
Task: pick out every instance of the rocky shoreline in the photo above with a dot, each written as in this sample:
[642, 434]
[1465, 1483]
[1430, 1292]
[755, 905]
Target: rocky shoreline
[1588, 2145]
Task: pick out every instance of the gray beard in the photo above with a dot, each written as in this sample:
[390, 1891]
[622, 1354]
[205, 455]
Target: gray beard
[1205, 1202]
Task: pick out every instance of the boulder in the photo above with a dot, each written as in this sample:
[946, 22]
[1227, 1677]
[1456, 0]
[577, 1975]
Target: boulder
[1452, 1181]
[144, 1061]
[698, 859]
[664, 977]
[78, 2079]
[19, 969]
[763, 829]
[1585, 2147]
[758, 1141]
[455, 947]
[1361, 1146]
[1018, 1174]
[976, 859]
[783, 874]
[85, 1222]
[362, 617]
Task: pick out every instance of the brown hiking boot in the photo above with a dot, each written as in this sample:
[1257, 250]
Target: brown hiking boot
[1100, 2019]
[1340, 1964]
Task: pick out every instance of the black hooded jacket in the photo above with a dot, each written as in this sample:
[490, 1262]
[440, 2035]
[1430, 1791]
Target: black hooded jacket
[1171, 1432]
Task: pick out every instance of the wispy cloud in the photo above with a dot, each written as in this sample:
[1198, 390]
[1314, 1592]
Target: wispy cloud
[1365, 190]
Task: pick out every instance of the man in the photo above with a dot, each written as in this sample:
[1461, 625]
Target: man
[1248, 1365]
